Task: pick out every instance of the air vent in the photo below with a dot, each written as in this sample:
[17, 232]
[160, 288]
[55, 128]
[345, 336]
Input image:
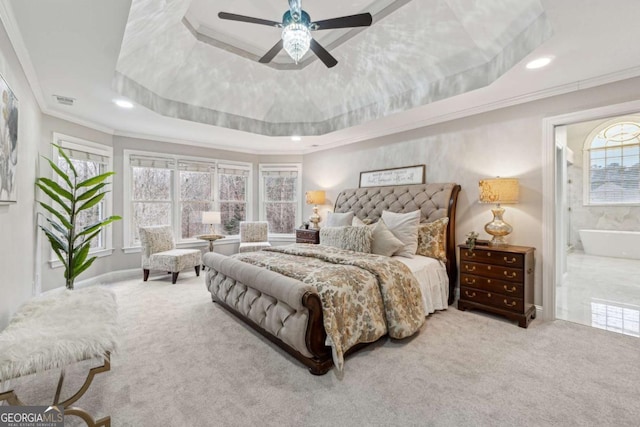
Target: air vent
[64, 100]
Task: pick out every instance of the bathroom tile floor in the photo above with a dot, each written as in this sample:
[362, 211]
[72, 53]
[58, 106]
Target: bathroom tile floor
[601, 292]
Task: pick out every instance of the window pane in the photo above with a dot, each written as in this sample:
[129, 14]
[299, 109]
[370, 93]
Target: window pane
[232, 213]
[191, 214]
[280, 188]
[151, 183]
[614, 152]
[598, 154]
[281, 217]
[233, 187]
[195, 185]
[631, 150]
[145, 214]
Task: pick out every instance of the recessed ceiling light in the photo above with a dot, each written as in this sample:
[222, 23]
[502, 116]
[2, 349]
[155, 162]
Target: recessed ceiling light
[123, 103]
[296, 138]
[539, 62]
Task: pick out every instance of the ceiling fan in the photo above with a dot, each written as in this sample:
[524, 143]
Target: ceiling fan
[296, 32]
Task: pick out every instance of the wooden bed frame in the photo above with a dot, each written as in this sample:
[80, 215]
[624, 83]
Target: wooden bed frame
[434, 200]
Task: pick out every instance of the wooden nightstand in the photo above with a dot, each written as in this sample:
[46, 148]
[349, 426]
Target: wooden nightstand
[498, 279]
[310, 235]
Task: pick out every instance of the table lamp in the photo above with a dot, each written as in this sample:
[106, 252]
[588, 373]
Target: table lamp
[498, 191]
[211, 218]
[315, 198]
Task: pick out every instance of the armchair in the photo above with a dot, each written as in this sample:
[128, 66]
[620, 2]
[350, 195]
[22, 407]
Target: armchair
[159, 253]
[253, 236]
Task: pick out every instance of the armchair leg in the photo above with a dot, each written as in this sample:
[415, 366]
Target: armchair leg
[174, 278]
[145, 274]
[197, 270]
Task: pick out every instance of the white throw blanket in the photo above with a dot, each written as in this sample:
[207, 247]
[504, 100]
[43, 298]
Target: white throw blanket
[57, 329]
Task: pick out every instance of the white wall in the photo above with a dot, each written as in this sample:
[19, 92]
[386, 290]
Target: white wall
[17, 225]
[504, 142]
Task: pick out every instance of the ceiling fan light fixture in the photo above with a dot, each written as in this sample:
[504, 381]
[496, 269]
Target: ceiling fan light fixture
[297, 39]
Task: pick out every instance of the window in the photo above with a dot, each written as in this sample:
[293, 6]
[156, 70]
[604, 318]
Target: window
[233, 182]
[89, 159]
[175, 190]
[280, 188]
[196, 196]
[612, 154]
[151, 193]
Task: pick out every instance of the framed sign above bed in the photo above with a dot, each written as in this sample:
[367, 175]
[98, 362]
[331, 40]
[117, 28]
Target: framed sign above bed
[395, 176]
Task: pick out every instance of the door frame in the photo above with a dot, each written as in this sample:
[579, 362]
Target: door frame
[549, 159]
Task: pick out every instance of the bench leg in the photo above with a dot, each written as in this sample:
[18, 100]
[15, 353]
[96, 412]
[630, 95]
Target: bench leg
[12, 398]
[174, 278]
[197, 270]
[145, 274]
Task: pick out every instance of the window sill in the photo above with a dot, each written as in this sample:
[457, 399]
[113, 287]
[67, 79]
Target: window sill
[55, 263]
[189, 244]
[611, 205]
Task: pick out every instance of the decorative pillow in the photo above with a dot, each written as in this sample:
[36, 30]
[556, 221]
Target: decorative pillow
[383, 242]
[405, 227]
[350, 238]
[357, 222]
[339, 219]
[432, 239]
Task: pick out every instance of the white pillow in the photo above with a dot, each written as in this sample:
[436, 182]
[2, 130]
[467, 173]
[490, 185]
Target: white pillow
[339, 219]
[383, 242]
[405, 227]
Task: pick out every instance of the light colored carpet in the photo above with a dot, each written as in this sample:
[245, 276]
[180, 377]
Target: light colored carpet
[184, 361]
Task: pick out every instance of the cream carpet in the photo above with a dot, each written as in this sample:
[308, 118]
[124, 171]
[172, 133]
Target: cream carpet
[184, 361]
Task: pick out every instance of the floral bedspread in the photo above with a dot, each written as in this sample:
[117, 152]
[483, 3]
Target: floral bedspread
[363, 295]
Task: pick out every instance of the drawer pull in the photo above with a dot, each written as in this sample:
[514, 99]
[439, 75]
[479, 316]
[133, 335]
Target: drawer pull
[470, 255]
[510, 276]
[513, 303]
[510, 261]
[488, 253]
[470, 295]
[472, 268]
[513, 289]
[489, 267]
[489, 281]
[470, 281]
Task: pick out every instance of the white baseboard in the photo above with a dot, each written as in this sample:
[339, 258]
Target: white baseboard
[110, 277]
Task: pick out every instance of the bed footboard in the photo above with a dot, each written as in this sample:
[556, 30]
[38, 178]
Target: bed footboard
[284, 310]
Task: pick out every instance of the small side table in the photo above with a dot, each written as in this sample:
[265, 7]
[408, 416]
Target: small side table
[308, 235]
[211, 238]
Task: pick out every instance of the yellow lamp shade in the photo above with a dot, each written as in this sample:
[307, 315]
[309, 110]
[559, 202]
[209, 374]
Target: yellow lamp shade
[499, 190]
[316, 197]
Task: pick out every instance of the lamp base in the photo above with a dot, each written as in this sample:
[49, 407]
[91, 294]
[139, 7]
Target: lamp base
[498, 228]
[315, 218]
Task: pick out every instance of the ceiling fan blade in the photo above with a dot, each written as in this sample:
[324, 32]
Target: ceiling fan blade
[250, 20]
[360, 20]
[272, 53]
[322, 53]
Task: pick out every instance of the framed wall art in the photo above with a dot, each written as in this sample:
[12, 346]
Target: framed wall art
[396, 176]
[8, 144]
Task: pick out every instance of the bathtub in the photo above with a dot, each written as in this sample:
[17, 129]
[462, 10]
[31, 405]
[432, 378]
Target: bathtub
[611, 243]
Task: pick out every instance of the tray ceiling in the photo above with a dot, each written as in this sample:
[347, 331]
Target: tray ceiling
[179, 60]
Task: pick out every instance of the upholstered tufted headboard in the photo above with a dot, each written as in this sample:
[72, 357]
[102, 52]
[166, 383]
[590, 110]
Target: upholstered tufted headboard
[433, 200]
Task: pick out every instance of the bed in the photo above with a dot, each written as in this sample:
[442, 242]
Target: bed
[289, 310]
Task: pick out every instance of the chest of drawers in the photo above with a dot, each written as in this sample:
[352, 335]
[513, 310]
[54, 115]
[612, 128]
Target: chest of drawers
[499, 280]
[304, 235]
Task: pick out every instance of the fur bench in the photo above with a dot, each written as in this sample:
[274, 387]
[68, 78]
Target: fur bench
[52, 331]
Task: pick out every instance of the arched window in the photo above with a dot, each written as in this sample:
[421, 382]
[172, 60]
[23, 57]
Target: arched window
[612, 164]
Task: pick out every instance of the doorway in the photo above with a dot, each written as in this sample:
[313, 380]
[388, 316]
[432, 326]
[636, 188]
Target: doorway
[594, 289]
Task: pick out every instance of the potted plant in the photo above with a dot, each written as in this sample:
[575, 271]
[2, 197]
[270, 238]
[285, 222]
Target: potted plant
[72, 197]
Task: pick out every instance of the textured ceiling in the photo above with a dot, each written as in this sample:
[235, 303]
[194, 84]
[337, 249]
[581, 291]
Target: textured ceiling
[416, 52]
